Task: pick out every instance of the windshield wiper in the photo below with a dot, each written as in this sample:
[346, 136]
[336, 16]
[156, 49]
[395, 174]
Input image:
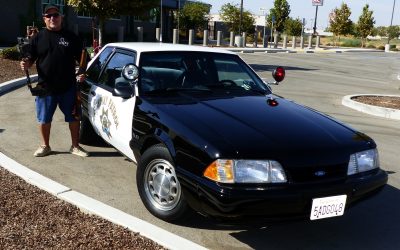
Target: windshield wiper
[169, 90]
[236, 87]
[260, 91]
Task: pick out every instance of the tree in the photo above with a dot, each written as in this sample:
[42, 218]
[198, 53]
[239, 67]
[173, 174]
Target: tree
[230, 14]
[393, 32]
[280, 12]
[340, 23]
[194, 15]
[293, 27]
[105, 9]
[381, 31]
[365, 24]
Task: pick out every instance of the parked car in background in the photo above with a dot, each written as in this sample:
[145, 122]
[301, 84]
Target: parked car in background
[208, 134]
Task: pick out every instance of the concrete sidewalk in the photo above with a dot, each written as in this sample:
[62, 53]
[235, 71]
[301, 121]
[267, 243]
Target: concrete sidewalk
[316, 81]
[250, 49]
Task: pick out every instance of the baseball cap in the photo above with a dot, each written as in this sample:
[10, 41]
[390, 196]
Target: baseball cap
[49, 7]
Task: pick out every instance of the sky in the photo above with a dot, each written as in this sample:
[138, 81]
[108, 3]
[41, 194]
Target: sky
[303, 9]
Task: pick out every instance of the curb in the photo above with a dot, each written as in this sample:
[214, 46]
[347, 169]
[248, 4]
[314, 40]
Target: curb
[305, 50]
[88, 204]
[7, 87]
[370, 109]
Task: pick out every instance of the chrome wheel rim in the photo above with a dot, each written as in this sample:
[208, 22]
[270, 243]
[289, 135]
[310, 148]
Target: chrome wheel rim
[161, 185]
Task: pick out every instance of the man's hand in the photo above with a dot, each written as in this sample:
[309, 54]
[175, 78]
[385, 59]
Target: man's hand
[80, 78]
[25, 64]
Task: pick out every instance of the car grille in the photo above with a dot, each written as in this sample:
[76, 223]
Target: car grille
[318, 173]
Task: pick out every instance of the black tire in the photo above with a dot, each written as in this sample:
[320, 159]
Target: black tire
[158, 185]
[87, 135]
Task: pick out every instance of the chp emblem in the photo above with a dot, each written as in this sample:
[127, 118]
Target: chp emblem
[108, 115]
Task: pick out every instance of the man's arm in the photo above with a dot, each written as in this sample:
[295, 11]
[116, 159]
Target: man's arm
[28, 54]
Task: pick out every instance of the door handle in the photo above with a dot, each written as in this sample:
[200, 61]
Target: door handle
[92, 93]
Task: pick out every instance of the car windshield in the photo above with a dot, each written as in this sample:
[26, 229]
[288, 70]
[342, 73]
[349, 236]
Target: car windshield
[163, 72]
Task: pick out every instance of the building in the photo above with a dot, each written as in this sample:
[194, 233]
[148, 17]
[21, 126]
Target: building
[216, 24]
[16, 15]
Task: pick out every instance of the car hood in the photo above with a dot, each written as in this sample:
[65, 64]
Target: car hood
[249, 127]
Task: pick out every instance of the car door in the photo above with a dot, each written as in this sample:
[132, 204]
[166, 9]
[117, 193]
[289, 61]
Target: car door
[112, 115]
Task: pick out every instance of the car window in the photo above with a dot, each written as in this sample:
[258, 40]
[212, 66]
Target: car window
[112, 72]
[95, 68]
[231, 70]
[196, 71]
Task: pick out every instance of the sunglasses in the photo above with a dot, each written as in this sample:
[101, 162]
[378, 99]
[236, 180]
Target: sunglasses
[55, 15]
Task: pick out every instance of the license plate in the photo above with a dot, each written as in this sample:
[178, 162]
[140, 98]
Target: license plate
[328, 207]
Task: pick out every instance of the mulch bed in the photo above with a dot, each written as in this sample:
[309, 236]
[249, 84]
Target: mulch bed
[381, 101]
[11, 70]
[31, 218]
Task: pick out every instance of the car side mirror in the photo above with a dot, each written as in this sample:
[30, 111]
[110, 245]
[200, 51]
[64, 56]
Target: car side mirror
[123, 89]
[124, 86]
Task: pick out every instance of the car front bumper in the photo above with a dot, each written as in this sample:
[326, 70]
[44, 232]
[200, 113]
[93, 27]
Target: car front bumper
[279, 201]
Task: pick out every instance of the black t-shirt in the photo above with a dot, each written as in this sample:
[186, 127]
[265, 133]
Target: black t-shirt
[56, 54]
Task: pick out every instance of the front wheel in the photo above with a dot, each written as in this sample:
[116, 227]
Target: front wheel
[158, 185]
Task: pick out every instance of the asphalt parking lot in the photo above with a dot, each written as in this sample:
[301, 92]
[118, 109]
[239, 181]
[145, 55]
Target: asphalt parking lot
[316, 80]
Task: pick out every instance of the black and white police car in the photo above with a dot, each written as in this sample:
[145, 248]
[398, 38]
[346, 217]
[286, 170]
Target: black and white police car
[208, 134]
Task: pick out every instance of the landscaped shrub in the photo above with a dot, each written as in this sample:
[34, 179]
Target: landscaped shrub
[351, 43]
[371, 46]
[10, 53]
[394, 49]
[381, 47]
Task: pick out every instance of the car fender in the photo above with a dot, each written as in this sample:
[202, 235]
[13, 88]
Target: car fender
[156, 137]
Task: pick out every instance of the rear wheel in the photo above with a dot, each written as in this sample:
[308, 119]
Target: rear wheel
[158, 185]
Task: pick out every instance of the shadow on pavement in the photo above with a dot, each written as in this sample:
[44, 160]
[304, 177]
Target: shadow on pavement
[265, 67]
[371, 224]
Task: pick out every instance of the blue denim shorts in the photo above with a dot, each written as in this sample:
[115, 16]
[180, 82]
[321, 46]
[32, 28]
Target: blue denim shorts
[46, 106]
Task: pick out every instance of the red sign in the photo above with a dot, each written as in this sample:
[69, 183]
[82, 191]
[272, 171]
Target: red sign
[317, 2]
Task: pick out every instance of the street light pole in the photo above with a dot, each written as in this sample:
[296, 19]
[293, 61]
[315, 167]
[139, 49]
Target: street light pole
[272, 28]
[241, 17]
[179, 11]
[264, 13]
[161, 21]
[315, 20]
[391, 20]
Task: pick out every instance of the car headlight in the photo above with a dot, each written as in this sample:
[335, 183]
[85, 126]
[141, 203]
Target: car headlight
[363, 161]
[245, 171]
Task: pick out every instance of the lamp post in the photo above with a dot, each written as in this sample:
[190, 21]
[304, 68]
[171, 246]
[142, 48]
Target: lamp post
[264, 13]
[241, 17]
[272, 27]
[391, 20]
[161, 21]
[315, 21]
[179, 12]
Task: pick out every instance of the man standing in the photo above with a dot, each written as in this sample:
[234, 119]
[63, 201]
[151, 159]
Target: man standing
[56, 52]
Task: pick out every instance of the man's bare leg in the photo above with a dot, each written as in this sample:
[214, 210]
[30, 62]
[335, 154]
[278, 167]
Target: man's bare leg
[76, 149]
[45, 133]
[44, 149]
[74, 128]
